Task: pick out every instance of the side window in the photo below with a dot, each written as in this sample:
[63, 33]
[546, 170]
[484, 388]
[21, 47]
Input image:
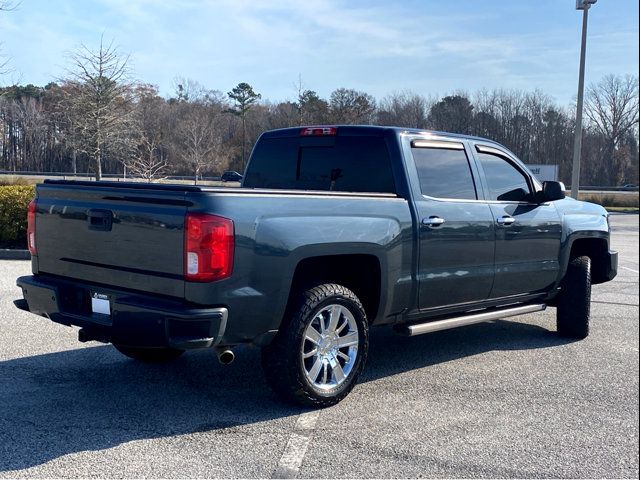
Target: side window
[506, 182]
[444, 172]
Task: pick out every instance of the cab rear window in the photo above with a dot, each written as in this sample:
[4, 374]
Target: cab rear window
[336, 163]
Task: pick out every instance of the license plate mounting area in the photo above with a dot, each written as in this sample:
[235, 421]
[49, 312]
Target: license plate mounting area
[100, 303]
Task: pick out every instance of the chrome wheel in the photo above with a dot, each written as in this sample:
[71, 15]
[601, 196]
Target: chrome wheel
[321, 348]
[330, 347]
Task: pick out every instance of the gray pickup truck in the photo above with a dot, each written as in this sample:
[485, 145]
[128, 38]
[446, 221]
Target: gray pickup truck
[334, 230]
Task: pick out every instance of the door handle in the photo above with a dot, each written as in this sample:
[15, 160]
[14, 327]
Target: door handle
[433, 221]
[506, 221]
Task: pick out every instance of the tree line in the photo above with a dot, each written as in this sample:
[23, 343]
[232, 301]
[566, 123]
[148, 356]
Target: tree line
[97, 120]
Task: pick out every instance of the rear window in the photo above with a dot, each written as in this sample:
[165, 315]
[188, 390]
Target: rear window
[337, 163]
[444, 173]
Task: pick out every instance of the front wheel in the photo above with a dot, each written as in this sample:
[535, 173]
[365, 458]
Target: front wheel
[321, 348]
[574, 300]
[150, 355]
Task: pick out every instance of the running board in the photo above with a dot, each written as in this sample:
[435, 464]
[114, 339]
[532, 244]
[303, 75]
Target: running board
[447, 323]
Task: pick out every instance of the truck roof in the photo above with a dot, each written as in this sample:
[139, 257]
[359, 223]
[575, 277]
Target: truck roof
[373, 130]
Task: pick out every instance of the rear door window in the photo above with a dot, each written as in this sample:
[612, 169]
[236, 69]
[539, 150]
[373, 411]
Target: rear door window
[335, 163]
[444, 172]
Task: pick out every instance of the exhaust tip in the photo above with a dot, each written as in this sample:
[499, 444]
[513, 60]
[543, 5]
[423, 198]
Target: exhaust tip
[226, 357]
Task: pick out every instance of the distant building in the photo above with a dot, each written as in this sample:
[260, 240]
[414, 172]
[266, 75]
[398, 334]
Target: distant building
[544, 172]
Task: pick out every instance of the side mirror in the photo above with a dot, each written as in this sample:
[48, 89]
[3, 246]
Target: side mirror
[517, 195]
[553, 191]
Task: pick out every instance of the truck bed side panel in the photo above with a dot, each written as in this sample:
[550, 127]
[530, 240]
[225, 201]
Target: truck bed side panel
[275, 231]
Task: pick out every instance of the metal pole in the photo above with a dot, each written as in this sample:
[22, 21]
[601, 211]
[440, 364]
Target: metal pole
[577, 142]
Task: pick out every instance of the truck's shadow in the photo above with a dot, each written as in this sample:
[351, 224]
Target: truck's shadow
[94, 398]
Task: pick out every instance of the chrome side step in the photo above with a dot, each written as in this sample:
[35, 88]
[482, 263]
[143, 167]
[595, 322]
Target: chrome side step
[435, 325]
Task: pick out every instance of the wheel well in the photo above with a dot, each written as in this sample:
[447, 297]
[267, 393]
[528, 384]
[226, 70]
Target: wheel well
[596, 249]
[359, 273]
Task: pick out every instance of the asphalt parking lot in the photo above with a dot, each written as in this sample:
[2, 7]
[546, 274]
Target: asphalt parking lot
[503, 399]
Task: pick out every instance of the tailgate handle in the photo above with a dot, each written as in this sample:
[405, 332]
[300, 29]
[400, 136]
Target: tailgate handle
[100, 220]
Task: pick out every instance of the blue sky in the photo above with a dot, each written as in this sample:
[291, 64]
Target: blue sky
[426, 46]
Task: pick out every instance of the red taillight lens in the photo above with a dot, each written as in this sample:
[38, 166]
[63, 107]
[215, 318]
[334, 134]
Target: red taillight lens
[208, 247]
[31, 227]
[318, 131]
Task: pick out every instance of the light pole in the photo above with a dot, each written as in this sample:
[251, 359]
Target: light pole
[583, 5]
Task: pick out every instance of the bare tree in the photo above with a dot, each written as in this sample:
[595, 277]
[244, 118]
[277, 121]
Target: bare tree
[148, 161]
[149, 124]
[6, 6]
[299, 88]
[103, 102]
[281, 115]
[4, 62]
[202, 140]
[404, 109]
[350, 106]
[29, 113]
[612, 108]
[63, 116]
[192, 91]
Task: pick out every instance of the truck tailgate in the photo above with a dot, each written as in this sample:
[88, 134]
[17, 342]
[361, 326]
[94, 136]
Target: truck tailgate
[112, 235]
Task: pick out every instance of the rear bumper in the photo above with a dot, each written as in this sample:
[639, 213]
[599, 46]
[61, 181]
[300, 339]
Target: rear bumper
[135, 320]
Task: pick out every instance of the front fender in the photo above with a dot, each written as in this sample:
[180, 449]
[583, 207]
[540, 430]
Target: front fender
[580, 220]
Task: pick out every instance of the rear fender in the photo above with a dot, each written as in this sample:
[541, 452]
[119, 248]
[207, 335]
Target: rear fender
[295, 239]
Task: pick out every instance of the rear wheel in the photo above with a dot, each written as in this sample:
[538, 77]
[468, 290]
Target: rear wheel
[150, 355]
[574, 300]
[317, 356]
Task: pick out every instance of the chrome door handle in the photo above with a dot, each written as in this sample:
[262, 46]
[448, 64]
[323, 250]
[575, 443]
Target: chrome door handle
[506, 220]
[433, 221]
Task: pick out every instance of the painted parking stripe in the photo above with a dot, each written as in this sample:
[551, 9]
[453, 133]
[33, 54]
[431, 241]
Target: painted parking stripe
[296, 448]
[630, 269]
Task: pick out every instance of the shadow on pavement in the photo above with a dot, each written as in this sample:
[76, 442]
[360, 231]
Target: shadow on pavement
[390, 354]
[94, 398]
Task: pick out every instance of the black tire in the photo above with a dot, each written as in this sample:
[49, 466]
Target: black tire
[282, 360]
[574, 300]
[150, 355]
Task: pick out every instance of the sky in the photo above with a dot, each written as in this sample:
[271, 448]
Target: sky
[430, 47]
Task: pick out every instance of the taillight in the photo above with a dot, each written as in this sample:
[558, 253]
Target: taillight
[318, 131]
[208, 247]
[31, 227]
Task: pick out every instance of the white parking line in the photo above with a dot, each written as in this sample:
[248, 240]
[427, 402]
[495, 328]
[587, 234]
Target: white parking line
[296, 448]
[630, 269]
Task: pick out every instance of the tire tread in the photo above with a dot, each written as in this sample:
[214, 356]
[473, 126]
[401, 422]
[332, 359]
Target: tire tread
[574, 301]
[279, 360]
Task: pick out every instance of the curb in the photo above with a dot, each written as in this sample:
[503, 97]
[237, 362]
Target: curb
[13, 254]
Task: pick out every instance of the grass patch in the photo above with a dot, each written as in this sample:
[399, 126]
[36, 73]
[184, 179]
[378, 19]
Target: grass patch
[623, 209]
[6, 180]
[613, 199]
